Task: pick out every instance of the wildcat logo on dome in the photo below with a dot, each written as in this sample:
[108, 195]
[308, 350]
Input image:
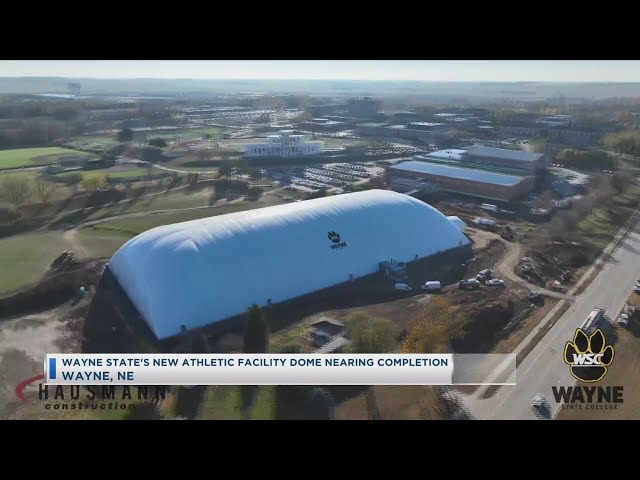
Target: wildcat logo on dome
[335, 238]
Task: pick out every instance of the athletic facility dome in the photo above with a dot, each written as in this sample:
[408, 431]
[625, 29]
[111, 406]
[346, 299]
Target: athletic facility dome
[202, 271]
[458, 222]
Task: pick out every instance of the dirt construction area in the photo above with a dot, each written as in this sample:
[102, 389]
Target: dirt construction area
[24, 343]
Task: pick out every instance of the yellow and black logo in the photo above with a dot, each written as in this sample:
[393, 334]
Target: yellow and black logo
[588, 356]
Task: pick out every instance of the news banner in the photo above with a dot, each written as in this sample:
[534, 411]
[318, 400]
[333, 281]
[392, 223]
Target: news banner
[280, 369]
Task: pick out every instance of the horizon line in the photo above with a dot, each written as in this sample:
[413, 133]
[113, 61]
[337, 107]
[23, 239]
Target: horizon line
[319, 79]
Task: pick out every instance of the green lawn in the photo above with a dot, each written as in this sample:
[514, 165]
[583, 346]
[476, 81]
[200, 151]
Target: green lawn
[122, 174]
[330, 142]
[26, 157]
[181, 199]
[102, 141]
[179, 163]
[101, 243]
[136, 225]
[292, 336]
[222, 404]
[24, 258]
[602, 223]
[201, 132]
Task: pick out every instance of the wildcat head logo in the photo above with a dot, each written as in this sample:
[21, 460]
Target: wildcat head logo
[334, 237]
[588, 356]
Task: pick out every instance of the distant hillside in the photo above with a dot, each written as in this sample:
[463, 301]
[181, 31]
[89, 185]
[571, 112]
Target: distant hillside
[178, 87]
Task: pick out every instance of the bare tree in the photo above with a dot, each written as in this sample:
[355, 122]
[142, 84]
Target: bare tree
[18, 189]
[73, 181]
[94, 183]
[149, 172]
[45, 190]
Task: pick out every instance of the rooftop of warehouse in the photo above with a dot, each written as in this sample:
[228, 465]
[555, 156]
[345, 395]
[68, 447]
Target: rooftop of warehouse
[450, 154]
[504, 153]
[461, 173]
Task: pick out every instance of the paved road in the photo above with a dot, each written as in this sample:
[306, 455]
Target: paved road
[544, 366]
[177, 170]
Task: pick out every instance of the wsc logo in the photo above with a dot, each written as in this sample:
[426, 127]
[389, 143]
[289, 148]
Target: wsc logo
[588, 356]
[335, 239]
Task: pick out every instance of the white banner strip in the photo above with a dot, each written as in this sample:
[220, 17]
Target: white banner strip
[254, 369]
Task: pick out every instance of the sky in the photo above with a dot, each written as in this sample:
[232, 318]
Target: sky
[426, 70]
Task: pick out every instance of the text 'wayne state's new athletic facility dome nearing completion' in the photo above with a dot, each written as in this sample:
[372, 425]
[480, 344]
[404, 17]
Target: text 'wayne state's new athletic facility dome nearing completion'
[203, 271]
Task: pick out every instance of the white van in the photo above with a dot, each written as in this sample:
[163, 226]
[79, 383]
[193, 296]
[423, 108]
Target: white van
[433, 286]
[402, 286]
[489, 206]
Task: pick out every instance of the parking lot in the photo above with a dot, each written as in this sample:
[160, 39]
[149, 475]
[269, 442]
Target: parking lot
[331, 176]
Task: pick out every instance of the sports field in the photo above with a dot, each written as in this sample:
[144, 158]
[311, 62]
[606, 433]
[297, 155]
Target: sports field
[112, 173]
[31, 157]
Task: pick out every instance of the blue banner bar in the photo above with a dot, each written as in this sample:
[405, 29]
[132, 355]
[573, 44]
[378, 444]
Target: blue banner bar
[52, 368]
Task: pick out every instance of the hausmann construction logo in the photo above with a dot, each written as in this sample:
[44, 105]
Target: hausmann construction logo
[73, 397]
[335, 239]
[589, 358]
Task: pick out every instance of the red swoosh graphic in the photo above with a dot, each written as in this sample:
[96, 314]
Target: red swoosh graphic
[20, 388]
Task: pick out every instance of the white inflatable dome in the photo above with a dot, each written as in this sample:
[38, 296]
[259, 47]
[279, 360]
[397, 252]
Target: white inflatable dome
[202, 271]
[458, 222]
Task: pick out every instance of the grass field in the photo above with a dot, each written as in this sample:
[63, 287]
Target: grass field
[183, 163]
[101, 141]
[101, 243]
[109, 141]
[201, 132]
[186, 198]
[222, 404]
[28, 157]
[410, 402]
[602, 223]
[136, 225]
[113, 173]
[330, 142]
[24, 258]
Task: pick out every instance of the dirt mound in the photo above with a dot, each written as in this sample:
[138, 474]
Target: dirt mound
[484, 322]
[556, 262]
[65, 262]
[570, 254]
[508, 234]
[487, 312]
[55, 288]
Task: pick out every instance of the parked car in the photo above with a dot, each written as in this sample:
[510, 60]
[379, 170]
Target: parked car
[484, 274]
[534, 296]
[494, 282]
[469, 284]
[623, 319]
[402, 286]
[539, 402]
[432, 286]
